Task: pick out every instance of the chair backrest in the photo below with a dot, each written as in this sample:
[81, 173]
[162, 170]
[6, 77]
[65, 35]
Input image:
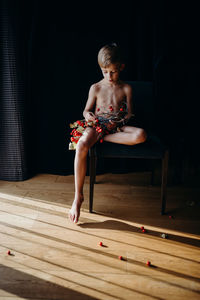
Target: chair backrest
[143, 104]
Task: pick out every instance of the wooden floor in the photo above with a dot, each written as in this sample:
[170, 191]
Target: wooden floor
[52, 258]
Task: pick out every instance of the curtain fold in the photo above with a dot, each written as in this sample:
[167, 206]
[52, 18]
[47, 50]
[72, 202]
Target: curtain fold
[13, 162]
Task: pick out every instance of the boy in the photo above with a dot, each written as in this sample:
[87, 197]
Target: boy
[106, 101]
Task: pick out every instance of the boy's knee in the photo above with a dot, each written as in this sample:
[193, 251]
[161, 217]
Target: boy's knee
[142, 135]
[82, 146]
[139, 136]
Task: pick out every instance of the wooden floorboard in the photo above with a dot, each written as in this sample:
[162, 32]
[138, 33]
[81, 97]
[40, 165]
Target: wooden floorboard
[52, 258]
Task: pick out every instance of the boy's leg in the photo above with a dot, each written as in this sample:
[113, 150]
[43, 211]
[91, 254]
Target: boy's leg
[89, 138]
[128, 135]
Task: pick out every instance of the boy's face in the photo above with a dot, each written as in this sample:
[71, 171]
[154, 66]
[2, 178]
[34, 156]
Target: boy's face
[111, 72]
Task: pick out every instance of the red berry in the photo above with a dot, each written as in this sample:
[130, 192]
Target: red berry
[121, 109]
[8, 252]
[101, 140]
[120, 257]
[143, 230]
[148, 263]
[98, 109]
[100, 244]
[142, 227]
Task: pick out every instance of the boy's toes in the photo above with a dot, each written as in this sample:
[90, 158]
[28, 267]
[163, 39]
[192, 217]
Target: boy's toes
[75, 219]
[71, 216]
[77, 215]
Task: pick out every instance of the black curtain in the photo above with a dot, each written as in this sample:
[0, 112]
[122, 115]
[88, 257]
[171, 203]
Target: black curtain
[49, 60]
[13, 93]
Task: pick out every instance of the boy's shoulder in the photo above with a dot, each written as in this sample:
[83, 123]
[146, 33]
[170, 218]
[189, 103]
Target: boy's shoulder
[96, 86]
[125, 84]
[126, 87]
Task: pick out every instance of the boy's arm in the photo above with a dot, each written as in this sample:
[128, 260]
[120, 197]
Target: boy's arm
[129, 101]
[87, 113]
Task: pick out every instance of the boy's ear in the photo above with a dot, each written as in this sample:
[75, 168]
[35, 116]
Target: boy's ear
[122, 67]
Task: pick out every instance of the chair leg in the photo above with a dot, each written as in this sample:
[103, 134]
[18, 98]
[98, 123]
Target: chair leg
[152, 177]
[92, 177]
[164, 181]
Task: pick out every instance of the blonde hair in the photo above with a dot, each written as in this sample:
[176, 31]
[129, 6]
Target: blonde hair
[109, 54]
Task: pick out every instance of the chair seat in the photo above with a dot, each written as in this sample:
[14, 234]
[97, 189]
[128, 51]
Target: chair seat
[151, 149]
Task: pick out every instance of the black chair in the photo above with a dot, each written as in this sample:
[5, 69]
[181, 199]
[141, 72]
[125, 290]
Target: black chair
[152, 148]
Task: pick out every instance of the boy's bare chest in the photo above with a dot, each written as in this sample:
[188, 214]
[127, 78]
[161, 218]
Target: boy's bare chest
[111, 97]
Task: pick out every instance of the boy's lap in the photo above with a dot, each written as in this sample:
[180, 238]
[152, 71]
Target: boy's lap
[91, 136]
[129, 129]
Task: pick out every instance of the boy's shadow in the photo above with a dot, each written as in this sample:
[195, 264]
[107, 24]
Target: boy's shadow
[121, 226]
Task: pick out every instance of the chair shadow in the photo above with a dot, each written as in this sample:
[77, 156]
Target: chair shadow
[122, 226]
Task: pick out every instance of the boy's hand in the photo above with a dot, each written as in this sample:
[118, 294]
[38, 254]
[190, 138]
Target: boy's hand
[90, 116]
[111, 125]
[123, 120]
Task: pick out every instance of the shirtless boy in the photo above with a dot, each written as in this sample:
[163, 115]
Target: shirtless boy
[105, 97]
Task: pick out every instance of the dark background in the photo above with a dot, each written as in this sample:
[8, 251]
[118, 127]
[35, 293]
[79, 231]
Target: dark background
[55, 46]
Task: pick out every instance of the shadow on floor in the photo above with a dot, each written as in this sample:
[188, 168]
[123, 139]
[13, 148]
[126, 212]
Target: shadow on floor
[121, 226]
[27, 286]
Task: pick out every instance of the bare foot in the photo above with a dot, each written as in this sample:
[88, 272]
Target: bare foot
[74, 212]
